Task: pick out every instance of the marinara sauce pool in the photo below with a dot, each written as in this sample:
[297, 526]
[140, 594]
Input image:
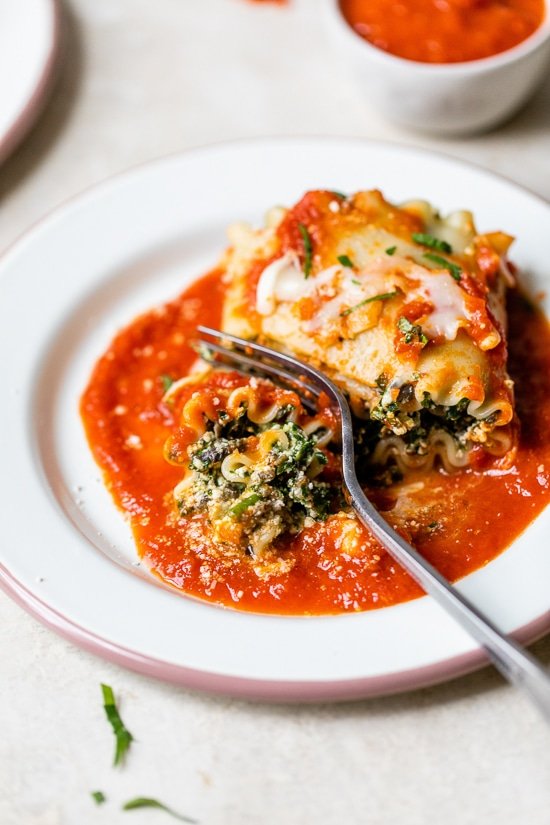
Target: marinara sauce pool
[444, 31]
[460, 521]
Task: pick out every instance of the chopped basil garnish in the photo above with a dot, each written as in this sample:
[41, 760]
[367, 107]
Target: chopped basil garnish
[241, 506]
[338, 194]
[345, 261]
[123, 736]
[356, 282]
[147, 802]
[411, 331]
[433, 243]
[391, 250]
[454, 269]
[166, 382]
[381, 297]
[308, 249]
[98, 797]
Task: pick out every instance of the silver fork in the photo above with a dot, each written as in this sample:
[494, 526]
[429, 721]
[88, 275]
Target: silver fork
[514, 662]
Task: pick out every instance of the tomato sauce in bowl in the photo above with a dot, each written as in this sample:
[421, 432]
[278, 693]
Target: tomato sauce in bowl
[444, 31]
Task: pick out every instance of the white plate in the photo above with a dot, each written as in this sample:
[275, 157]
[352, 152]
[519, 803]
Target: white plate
[29, 41]
[67, 553]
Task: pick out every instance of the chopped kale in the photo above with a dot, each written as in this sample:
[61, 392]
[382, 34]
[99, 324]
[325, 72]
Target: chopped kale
[457, 411]
[256, 502]
[415, 427]
[210, 450]
[427, 402]
[411, 332]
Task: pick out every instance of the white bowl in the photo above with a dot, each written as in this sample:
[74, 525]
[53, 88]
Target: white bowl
[447, 98]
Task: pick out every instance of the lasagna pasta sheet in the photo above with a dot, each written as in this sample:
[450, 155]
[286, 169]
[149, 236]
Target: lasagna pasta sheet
[403, 308]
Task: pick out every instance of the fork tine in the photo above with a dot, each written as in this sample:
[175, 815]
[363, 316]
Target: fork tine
[263, 352]
[233, 356]
[295, 367]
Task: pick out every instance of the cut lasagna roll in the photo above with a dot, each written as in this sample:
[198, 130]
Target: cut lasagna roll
[404, 309]
[255, 464]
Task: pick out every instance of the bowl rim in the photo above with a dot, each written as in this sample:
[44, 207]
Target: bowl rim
[532, 43]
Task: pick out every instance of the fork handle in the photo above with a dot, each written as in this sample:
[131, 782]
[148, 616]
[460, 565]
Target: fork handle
[514, 662]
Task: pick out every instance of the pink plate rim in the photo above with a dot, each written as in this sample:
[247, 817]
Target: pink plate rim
[34, 105]
[257, 689]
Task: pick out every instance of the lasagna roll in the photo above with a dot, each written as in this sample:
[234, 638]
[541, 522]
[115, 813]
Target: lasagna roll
[403, 308]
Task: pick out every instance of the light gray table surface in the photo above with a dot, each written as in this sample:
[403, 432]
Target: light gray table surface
[142, 78]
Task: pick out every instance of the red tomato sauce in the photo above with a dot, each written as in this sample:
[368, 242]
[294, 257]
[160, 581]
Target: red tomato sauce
[444, 31]
[459, 522]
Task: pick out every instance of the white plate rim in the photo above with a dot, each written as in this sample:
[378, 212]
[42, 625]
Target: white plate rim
[229, 683]
[32, 107]
[257, 689]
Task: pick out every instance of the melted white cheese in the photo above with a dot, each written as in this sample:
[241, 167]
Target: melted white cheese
[282, 280]
[350, 290]
[448, 299]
